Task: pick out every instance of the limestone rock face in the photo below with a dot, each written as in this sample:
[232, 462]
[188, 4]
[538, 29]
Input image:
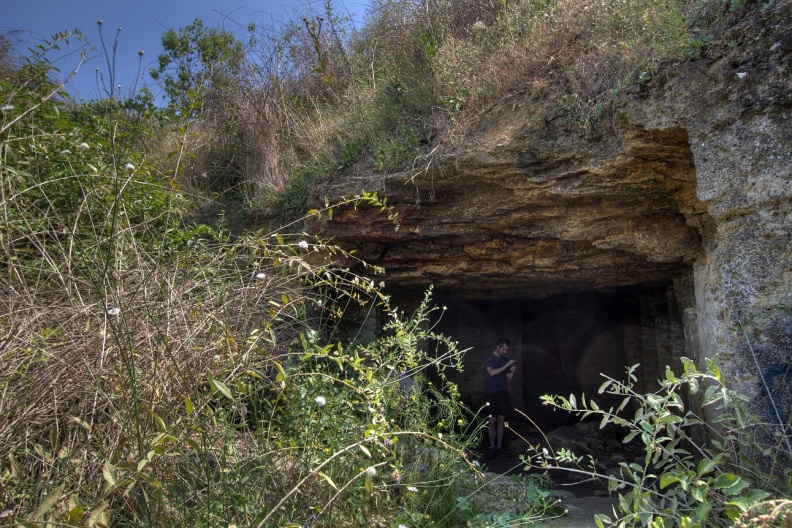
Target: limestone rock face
[530, 209]
[687, 177]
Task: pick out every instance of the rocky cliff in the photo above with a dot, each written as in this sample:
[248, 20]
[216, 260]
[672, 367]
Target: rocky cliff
[683, 181]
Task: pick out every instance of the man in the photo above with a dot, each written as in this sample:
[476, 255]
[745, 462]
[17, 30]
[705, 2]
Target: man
[500, 371]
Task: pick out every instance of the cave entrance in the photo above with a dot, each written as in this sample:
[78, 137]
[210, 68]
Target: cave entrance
[565, 343]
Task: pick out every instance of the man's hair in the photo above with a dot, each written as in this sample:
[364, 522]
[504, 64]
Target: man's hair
[503, 341]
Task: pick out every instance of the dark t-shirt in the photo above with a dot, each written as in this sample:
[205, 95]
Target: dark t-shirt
[495, 383]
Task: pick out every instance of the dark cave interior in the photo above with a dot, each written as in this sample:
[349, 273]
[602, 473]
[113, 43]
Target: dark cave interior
[566, 343]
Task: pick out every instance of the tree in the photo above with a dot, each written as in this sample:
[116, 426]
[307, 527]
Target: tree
[200, 63]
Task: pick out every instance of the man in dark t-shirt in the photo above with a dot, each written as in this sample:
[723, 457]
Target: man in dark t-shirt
[500, 371]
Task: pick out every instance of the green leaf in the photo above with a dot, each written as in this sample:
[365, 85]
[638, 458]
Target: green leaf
[75, 514]
[702, 512]
[705, 466]
[160, 421]
[97, 512]
[751, 499]
[50, 501]
[366, 451]
[629, 437]
[188, 405]
[604, 421]
[109, 473]
[729, 484]
[725, 480]
[16, 468]
[736, 489]
[670, 419]
[733, 513]
[328, 479]
[666, 479]
[281, 376]
[699, 491]
[218, 385]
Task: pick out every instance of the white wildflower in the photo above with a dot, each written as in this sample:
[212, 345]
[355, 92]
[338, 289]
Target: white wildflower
[371, 471]
[261, 275]
[64, 152]
[114, 311]
[303, 244]
[129, 167]
[742, 75]
[216, 357]
[440, 436]
[412, 488]
[476, 463]
[83, 146]
[6, 107]
[320, 401]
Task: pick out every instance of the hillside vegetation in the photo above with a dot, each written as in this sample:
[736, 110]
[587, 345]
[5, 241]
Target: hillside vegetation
[155, 371]
[272, 109]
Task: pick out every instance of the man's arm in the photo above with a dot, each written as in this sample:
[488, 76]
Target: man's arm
[492, 371]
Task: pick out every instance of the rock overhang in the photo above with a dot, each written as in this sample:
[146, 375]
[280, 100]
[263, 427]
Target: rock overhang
[531, 218]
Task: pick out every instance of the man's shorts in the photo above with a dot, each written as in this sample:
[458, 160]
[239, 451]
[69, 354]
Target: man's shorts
[499, 404]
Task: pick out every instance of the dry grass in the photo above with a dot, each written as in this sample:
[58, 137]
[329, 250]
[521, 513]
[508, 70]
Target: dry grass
[104, 376]
[572, 52]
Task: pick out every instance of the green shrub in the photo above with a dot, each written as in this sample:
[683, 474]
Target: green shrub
[684, 478]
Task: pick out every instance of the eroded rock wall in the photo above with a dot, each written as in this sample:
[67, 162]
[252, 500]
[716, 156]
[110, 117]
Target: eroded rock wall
[735, 108]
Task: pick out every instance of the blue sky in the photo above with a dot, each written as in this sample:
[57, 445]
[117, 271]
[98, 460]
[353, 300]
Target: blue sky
[142, 23]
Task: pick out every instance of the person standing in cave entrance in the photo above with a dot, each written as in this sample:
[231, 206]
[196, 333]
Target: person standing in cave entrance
[500, 370]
